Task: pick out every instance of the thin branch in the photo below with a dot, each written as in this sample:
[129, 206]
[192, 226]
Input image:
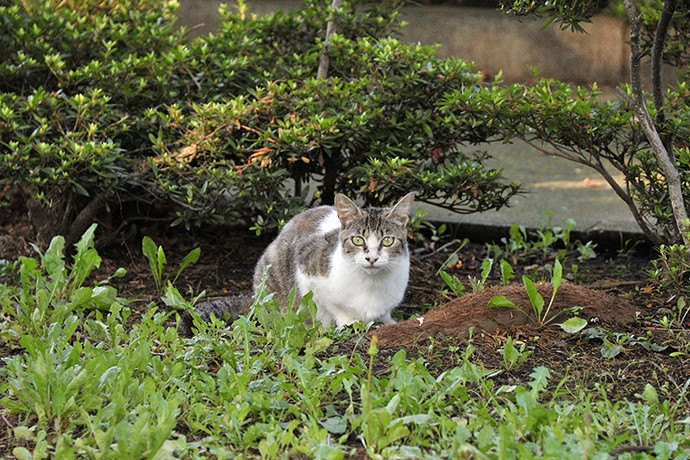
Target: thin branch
[662, 156]
[660, 35]
[324, 57]
[658, 45]
[622, 193]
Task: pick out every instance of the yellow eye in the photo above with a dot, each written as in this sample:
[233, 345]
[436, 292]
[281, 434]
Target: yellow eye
[358, 241]
[387, 241]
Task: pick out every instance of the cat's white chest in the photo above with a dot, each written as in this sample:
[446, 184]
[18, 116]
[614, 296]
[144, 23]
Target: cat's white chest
[352, 293]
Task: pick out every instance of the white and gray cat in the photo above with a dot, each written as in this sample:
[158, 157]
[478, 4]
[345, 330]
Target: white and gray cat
[354, 260]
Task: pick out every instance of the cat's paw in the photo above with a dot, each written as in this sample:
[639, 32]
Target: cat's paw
[387, 320]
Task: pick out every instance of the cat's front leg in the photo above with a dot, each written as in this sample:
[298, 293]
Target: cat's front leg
[343, 319]
[387, 319]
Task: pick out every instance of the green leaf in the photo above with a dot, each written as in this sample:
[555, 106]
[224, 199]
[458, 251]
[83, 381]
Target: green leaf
[486, 268]
[609, 350]
[510, 353]
[453, 283]
[53, 260]
[335, 425]
[573, 325]
[557, 275]
[87, 239]
[161, 260]
[148, 247]
[650, 395]
[22, 453]
[540, 378]
[507, 273]
[535, 297]
[191, 258]
[501, 301]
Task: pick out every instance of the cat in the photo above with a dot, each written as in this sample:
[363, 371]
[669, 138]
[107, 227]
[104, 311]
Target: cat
[354, 260]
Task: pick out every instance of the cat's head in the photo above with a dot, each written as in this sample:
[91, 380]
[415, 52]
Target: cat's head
[374, 238]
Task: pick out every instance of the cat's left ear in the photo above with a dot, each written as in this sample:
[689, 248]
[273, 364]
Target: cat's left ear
[401, 211]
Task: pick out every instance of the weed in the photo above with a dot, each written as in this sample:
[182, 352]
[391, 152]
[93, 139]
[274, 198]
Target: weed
[81, 384]
[507, 272]
[52, 292]
[513, 357]
[543, 243]
[540, 309]
[453, 283]
[476, 284]
[671, 269]
[423, 230]
[157, 262]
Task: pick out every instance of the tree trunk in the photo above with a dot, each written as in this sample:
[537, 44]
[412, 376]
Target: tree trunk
[324, 57]
[62, 213]
[330, 170]
[662, 155]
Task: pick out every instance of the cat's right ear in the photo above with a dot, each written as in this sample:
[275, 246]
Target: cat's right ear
[346, 208]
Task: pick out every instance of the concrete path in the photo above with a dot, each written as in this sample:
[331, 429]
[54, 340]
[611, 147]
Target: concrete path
[560, 187]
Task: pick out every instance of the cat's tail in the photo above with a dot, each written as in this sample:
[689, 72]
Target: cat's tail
[227, 308]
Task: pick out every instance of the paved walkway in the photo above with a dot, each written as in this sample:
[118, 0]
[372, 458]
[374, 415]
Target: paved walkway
[560, 187]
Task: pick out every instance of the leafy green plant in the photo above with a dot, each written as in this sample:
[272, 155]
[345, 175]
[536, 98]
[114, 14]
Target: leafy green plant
[476, 283]
[158, 261]
[513, 357]
[479, 283]
[220, 128]
[540, 309]
[671, 268]
[507, 272]
[94, 381]
[52, 291]
[423, 230]
[453, 283]
[675, 319]
[543, 243]
[641, 136]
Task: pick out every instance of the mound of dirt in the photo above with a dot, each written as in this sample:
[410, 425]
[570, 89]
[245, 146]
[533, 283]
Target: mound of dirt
[455, 318]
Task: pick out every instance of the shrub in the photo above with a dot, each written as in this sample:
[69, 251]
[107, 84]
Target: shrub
[377, 133]
[108, 113]
[650, 148]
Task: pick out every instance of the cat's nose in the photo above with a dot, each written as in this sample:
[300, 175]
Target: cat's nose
[371, 260]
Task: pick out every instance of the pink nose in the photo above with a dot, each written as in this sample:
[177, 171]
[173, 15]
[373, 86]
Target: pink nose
[371, 260]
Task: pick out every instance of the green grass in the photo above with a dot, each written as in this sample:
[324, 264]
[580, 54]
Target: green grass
[83, 380]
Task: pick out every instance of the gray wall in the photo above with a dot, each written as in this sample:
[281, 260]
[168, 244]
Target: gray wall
[490, 39]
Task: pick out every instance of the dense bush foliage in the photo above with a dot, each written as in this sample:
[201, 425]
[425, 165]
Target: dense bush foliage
[109, 113]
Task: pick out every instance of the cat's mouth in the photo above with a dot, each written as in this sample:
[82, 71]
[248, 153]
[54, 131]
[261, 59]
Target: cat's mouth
[372, 268]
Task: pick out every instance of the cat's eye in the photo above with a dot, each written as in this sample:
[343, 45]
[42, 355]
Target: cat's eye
[358, 241]
[387, 241]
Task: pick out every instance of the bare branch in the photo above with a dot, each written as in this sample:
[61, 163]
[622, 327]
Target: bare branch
[624, 194]
[658, 52]
[324, 57]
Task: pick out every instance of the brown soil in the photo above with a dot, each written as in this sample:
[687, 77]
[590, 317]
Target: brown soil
[455, 318]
